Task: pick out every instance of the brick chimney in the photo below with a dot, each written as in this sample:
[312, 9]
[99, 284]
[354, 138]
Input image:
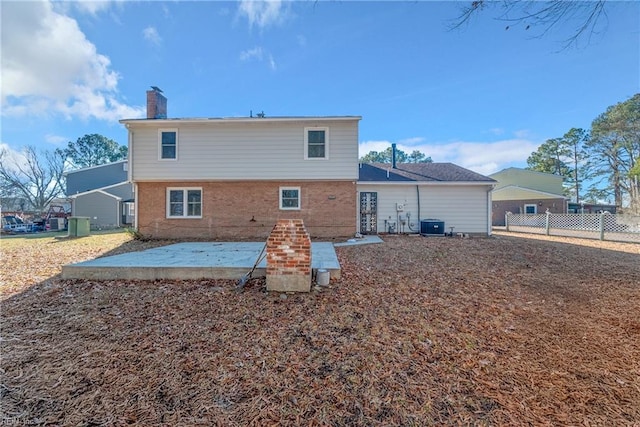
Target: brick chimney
[156, 104]
[289, 257]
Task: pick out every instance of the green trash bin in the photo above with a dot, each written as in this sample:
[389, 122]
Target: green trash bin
[78, 226]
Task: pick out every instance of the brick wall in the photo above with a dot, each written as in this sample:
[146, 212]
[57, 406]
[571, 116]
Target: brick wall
[289, 257]
[249, 210]
[156, 105]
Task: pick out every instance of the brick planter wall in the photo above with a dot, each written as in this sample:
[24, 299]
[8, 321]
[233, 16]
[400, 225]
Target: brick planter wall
[289, 257]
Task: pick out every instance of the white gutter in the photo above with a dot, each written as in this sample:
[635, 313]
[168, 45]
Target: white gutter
[173, 122]
[489, 211]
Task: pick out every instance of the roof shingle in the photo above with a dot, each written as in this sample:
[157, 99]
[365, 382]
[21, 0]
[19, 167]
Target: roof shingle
[423, 172]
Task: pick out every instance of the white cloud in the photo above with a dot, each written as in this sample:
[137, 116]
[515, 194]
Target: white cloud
[263, 13]
[522, 133]
[481, 157]
[416, 140]
[151, 35]
[49, 67]
[260, 55]
[11, 158]
[255, 53]
[272, 63]
[484, 157]
[92, 7]
[55, 139]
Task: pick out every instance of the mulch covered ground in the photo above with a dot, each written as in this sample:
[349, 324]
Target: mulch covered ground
[495, 331]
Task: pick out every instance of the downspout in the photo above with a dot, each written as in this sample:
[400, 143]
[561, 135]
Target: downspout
[489, 211]
[418, 193]
[119, 213]
[135, 206]
[135, 184]
[408, 221]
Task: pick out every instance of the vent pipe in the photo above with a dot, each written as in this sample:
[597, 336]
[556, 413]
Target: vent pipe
[393, 156]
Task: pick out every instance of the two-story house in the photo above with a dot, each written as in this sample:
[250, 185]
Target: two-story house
[233, 178]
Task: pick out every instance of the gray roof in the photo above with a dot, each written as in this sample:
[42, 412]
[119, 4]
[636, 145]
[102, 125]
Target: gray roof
[422, 172]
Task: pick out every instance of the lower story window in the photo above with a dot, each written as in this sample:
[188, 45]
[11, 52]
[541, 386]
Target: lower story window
[290, 198]
[184, 203]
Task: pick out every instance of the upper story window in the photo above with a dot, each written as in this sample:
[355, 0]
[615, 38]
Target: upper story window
[184, 203]
[290, 198]
[316, 143]
[168, 144]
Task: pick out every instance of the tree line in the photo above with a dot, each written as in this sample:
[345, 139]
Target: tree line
[600, 164]
[38, 177]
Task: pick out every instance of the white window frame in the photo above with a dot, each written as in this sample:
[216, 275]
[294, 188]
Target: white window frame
[535, 208]
[326, 142]
[167, 159]
[185, 209]
[289, 208]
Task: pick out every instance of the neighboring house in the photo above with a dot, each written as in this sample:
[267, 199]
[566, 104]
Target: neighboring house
[103, 194]
[398, 199]
[234, 178]
[523, 191]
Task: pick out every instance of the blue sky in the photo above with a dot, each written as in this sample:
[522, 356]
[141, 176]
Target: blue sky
[481, 96]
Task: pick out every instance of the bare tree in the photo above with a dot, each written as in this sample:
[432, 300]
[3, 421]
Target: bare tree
[583, 17]
[35, 177]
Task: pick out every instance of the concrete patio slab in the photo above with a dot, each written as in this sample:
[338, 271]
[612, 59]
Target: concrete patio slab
[192, 260]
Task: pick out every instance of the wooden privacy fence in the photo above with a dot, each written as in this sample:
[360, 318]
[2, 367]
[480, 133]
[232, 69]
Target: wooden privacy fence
[604, 226]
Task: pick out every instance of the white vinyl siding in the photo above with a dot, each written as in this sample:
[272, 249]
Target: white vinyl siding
[184, 202]
[244, 151]
[461, 206]
[290, 198]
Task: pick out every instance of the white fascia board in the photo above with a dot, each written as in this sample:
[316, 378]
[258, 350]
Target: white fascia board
[174, 122]
[225, 180]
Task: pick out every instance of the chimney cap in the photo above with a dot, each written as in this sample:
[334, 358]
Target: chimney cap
[156, 88]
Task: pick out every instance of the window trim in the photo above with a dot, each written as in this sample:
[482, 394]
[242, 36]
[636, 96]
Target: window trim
[167, 159]
[535, 208]
[326, 142]
[284, 208]
[185, 191]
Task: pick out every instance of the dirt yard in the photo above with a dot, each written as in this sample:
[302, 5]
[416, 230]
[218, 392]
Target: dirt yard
[418, 331]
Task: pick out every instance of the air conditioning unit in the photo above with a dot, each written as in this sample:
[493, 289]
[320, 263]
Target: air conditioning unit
[432, 227]
[399, 207]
